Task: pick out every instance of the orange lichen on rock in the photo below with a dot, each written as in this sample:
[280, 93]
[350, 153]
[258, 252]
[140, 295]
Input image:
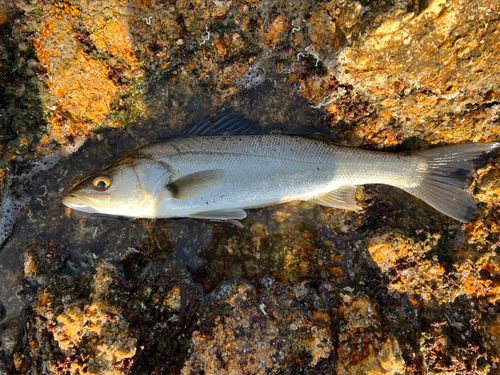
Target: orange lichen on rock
[326, 36]
[80, 85]
[114, 38]
[244, 327]
[364, 347]
[220, 46]
[95, 338]
[300, 259]
[236, 360]
[68, 329]
[433, 78]
[87, 93]
[424, 279]
[388, 249]
[228, 45]
[491, 331]
[44, 54]
[109, 30]
[317, 341]
[30, 266]
[481, 279]
[319, 89]
[4, 12]
[489, 186]
[173, 299]
[272, 36]
[220, 8]
[330, 25]
[2, 176]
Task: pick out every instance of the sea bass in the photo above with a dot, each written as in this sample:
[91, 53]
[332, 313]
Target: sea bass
[218, 177]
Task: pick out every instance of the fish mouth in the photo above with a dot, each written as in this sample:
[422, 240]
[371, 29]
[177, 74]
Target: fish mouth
[81, 203]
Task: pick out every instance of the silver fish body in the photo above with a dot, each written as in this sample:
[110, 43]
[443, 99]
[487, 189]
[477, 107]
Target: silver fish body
[218, 177]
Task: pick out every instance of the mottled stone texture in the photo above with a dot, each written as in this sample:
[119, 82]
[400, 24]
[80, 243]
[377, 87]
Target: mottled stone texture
[392, 289]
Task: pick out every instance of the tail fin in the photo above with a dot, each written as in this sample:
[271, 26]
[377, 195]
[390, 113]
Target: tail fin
[449, 172]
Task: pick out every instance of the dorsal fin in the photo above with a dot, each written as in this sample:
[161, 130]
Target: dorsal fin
[319, 137]
[228, 121]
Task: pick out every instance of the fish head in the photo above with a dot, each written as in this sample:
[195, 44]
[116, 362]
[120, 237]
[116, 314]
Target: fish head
[129, 187]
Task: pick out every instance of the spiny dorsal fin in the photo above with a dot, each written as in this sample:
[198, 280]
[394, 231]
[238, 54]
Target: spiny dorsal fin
[228, 121]
[342, 197]
[195, 185]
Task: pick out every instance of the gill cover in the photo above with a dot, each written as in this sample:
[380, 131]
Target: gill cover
[128, 187]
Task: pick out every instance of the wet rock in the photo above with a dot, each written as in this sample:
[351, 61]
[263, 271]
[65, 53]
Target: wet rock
[259, 336]
[408, 263]
[400, 51]
[221, 8]
[78, 77]
[364, 347]
[82, 328]
[491, 329]
[275, 31]
[11, 336]
[331, 26]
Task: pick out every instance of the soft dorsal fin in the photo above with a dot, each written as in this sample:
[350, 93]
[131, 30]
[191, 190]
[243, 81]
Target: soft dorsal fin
[195, 185]
[342, 197]
[226, 122]
[319, 137]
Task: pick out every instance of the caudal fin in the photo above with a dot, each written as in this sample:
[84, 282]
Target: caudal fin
[449, 172]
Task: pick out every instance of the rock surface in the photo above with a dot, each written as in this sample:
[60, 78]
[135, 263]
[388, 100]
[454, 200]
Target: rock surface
[395, 288]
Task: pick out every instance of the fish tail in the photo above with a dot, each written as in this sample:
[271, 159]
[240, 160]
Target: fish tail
[448, 173]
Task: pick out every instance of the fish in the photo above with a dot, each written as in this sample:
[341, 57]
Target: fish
[218, 177]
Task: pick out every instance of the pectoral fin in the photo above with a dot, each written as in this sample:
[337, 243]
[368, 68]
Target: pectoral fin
[195, 185]
[221, 215]
[342, 197]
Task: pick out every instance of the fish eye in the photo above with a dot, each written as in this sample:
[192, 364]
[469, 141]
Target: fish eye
[101, 183]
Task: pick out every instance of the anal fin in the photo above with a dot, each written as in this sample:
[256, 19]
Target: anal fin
[342, 197]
